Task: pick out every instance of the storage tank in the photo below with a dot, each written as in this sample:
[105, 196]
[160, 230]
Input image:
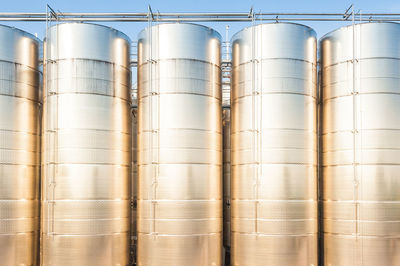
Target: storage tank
[226, 122]
[179, 211]
[19, 147]
[361, 145]
[274, 148]
[86, 146]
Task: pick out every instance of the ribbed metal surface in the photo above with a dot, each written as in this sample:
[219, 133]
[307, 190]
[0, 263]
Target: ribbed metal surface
[86, 157]
[134, 186]
[361, 145]
[179, 146]
[274, 156]
[19, 147]
[226, 122]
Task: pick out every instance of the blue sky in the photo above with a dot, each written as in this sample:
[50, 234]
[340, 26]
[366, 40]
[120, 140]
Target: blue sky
[131, 29]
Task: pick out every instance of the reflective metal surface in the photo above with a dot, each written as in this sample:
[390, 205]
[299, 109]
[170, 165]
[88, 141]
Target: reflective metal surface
[226, 122]
[361, 145]
[19, 147]
[179, 211]
[86, 158]
[274, 155]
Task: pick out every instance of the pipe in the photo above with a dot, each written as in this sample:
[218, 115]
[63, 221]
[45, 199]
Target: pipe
[194, 17]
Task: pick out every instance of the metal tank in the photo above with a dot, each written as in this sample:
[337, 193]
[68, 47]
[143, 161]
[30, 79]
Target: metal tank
[226, 122]
[86, 158]
[19, 147]
[179, 211]
[274, 148]
[361, 145]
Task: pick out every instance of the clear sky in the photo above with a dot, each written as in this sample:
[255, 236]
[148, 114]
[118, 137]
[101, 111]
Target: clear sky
[132, 29]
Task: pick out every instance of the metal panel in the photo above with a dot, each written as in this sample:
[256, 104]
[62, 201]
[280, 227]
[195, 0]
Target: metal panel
[361, 145]
[19, 147]
[179, 212]
[86, 157]
[274, 147]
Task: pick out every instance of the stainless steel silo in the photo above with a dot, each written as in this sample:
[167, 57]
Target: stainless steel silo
[361, 145]
[179, 211]
[19, 147]
[86, 157]
[226, 122]
[274, 148]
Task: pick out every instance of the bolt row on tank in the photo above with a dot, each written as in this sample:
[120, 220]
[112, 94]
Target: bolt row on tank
[302, 169]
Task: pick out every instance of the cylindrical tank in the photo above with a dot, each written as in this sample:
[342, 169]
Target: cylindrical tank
[226, 122]
[86, 157]
[19, 147]
[179, 211]
[274, 148]
[361, 145]
[134, 186]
